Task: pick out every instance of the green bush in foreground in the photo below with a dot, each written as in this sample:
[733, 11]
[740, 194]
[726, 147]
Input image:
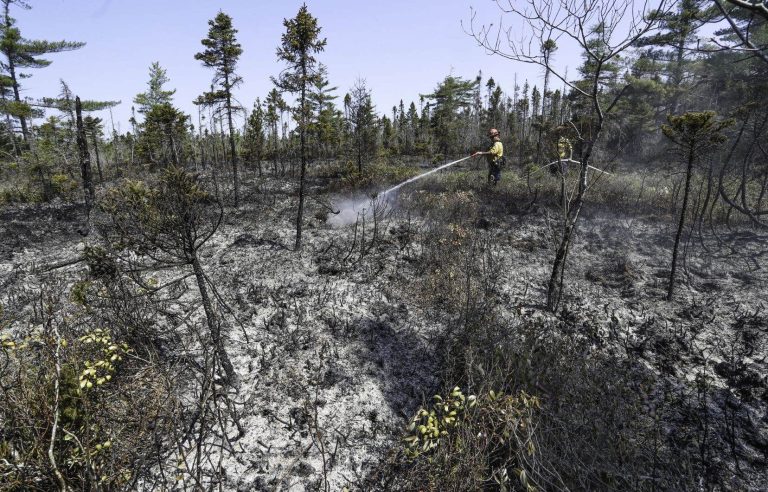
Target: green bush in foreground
[474, 442]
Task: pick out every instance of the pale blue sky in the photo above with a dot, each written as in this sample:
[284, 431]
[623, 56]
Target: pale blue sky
[400, 47]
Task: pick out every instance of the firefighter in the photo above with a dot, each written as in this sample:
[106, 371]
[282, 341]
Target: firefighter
[495, 156]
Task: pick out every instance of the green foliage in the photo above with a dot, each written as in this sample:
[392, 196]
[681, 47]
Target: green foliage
[452, 99]
[298, 45]
[79, 292]
[170, 220]
[696, 132]
[155, 95]
[472, 443]
[162, 134]
[100, 370]
[62, 184]
[99, 434]
[428, 426]
[221, 53]
[255, 140]
[21, 53]
[361, 120]
[326, 127]
[373, 176]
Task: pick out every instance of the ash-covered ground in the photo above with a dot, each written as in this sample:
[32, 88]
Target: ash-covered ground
[336, 346]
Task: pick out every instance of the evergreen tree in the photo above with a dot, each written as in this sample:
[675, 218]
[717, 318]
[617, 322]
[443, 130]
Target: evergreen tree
[161, 135]
[221, 53]
[413, 128]
[673, 43]
[388, 136]
[423, 137]
[693, 134]
[362, 121]
[21, 53]
[299, 44]
[403, 140]
[548, 47]
[325, 127]
[155, 94]
[451, 97]
[273, 104]
[94, 129]
[255, 141]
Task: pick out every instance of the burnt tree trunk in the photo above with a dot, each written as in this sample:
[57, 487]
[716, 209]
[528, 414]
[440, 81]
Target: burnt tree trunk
[681, 224]
[232, 151]
[571, 216]
[85, 158]
[212, 321]
[302, 132]
[95, 141]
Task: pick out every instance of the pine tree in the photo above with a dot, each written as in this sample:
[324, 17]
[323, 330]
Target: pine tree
[155, 94]
[672, 42]
[21, 53]
[221, 53]
[451, 97]
[693, 134]
[161, 135]
[299, 44]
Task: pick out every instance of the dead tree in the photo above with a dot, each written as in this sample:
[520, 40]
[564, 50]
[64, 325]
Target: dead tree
[751, 136]
[603, 29]
[85, 158]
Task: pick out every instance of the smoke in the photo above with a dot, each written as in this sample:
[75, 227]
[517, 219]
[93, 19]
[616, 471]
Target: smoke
[354, 209]
[350, 210]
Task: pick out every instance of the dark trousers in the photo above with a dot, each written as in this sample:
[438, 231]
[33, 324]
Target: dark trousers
[494, 172]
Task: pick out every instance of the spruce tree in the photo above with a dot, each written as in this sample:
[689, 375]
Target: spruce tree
[362, 121]
[254, 136]
[155, 94]
[324, 126]
[299, 44]
[221, 53]
[273, 103]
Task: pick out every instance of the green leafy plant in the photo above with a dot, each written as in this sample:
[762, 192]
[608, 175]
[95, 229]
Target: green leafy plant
[428, 426]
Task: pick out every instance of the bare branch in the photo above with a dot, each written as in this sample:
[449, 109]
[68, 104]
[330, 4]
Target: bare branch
[743, 36]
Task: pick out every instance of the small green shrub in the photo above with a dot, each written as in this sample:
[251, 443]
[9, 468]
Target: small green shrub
[107, 409]
[429, 426]
[473, 443]
[62, 185]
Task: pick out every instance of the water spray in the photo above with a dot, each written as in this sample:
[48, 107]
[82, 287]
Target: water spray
[416, 178]
[350, 210]
[566, 161]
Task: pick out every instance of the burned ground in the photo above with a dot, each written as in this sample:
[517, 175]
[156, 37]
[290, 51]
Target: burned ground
[339, 345]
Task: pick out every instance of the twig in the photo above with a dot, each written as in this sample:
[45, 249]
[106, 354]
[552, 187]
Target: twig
[62, 484]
